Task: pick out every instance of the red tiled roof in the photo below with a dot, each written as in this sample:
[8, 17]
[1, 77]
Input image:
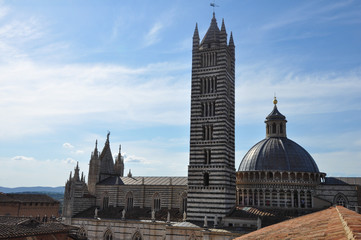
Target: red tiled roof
[332, 223]
[24, 197]
[21, 227]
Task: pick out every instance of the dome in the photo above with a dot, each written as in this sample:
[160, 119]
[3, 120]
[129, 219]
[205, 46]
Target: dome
[278, 154]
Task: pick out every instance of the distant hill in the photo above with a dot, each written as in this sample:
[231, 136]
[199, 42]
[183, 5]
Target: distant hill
[32, 189]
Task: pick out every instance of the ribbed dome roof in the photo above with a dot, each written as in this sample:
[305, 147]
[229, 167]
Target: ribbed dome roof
[280, 154]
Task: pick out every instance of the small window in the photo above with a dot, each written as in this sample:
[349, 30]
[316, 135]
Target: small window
[206, 179]
[207, 132]
[129, 201]
[207, 156]
[208, 109]
[273, 128]
[156, 202]
[184, 204]
[281, 128]
[208, 85]
[105, 202]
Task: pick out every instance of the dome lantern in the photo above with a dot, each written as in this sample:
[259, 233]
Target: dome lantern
[275, 123]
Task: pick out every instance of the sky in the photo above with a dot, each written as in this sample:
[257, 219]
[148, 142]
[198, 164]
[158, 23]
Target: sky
[70, 71]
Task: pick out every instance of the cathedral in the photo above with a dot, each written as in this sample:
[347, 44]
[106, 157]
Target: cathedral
[277, 177]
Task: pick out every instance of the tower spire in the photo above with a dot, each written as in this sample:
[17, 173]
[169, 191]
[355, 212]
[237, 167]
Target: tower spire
[94, 168]
[231, 43]
[107, 142]
[223, 34]
[119, 163]
[223, 27]
[196, 38]
[76, 172]
[196, 34]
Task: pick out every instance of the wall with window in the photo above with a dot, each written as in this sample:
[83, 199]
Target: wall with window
[140, 230]
[338, 194]
[142, 196]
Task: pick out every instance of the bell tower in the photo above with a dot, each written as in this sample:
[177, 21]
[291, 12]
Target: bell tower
[211, 169]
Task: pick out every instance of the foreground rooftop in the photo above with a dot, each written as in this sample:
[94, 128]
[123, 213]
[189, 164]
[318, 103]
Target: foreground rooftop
[333, 223]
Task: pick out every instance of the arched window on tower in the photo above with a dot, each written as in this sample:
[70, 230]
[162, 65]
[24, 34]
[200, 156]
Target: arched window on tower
[274, 128]
[129, 201]
[156, 202]
[207, 132]
[267, 129]
[206, 179]
[207, 156]
[208, 109]
[183, 202]
[105, 202]
[281, 128]
[108, 235]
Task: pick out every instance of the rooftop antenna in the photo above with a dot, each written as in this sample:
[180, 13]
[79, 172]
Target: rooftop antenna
[213, 4]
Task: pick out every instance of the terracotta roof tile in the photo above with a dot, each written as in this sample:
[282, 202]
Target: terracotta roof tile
[332, 223]
[134, 214]
[19, 197]
[154, 181]
[20, 227]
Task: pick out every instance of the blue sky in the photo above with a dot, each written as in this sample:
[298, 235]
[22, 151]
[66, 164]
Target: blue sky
[72, 70]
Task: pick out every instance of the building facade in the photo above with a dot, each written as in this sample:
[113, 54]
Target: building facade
[39, 206]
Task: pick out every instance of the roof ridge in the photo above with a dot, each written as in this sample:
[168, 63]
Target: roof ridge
[348, 231]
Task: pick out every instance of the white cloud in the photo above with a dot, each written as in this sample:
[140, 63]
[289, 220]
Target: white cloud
[68, 145]
[20, 31]
[22, 158]
[69, 161]
[134, 159]
[18, 171]
[3, 11]
[164, 20]
[77, 93]
[311, 11]
[330, 163]
[153, 34]
[165, 157]
[306, 93]
[16, 35]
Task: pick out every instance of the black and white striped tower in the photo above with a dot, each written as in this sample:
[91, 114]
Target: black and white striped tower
[211, 170]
